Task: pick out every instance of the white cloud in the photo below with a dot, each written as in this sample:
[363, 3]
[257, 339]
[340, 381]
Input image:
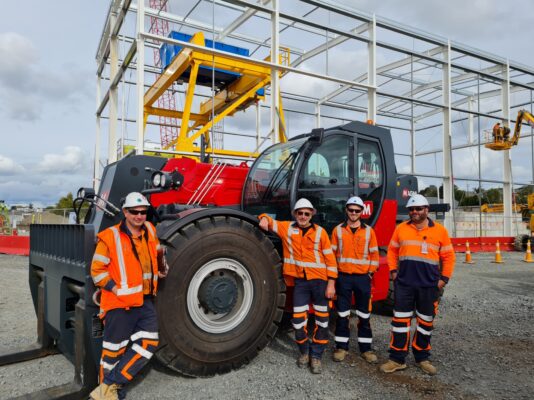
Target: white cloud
[26, 85]
[72, 160]
[9, 167]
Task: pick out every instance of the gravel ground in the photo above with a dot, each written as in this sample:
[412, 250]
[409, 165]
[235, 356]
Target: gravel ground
[483, 348]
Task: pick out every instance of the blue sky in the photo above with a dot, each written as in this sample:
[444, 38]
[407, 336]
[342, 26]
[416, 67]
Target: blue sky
[47, 78]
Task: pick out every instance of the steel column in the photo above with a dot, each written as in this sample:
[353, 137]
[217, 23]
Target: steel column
[139, 147]
[448, 190]
[507, 155]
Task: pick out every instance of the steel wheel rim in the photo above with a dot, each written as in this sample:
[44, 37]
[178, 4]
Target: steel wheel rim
[220, 323]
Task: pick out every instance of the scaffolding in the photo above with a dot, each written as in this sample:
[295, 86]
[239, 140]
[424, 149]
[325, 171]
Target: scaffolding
[436, 96]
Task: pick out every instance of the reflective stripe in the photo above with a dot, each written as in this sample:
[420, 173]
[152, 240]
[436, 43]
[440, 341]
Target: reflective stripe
[139, 350]
[301, 308]
[107, 366]
[120, 257]
[298, 326]
[354, 261]
[419, 243]
[343, 314]
[341, 339]
[363, 315]
[144, 335]
[316, 245]
[365, 340]
[332, 269]
[125, 291]
[447, 248]
[340, 239]
[373, 249]
[101, 258]
[423, 331]
[147, 275]
[400, 314]
[375, 263]
[275, 226]
[399, 329]
[394, 244]
[150, 229]
[114, 346]
[304, 264]
[419, 259]
[321, 323]
[427, 318]
[320, 308]
[367, 236]
[289, 244]
[334, 247]
[99, 277]
[327, 251]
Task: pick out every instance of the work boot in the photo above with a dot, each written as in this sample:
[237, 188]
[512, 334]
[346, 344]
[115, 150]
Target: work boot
[427, 367]
[369, 356]
[339, 355]
[303, 360]
[392, 366]
[315, 366]
[105, 392]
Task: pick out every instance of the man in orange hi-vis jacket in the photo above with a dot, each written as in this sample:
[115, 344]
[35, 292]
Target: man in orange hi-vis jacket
[309, 265]
[421, 262]
[126, 268]
[356, 250]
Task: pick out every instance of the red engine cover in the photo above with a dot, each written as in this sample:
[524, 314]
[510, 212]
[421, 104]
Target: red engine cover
[214, 184]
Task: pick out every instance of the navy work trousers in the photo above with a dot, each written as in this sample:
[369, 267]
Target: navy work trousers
[130, 339]
[360, 285]
[310, 292]
[424, 302]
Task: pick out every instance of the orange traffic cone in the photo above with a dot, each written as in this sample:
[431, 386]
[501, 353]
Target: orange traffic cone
[468, 259]
[528, 254]
[498, 258]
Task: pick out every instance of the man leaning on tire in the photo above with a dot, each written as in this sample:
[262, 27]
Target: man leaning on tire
[126, 268]
[417, 249]
[309, 266]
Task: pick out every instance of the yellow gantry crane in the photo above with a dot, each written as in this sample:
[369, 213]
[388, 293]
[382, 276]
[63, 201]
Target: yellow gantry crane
[501, 139]
[246, 89]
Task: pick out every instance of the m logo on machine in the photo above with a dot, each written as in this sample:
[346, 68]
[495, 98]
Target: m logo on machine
[367, 210]
[408, 193]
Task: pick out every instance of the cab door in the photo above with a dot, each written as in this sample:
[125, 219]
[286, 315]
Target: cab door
[327, 179]
[370, 177]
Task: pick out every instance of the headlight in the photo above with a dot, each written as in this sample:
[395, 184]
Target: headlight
[156, 179]
[163, 180]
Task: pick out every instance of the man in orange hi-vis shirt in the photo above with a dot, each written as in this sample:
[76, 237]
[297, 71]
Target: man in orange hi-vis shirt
[310, 265]
[126, 268]
[421, 262]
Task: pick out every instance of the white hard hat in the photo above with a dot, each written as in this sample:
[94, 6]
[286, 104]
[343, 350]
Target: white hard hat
[417, 200]
[303, 203]
[135, 199]
[356, 201]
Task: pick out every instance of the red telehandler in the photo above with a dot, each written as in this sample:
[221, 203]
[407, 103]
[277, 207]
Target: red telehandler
[224, 297]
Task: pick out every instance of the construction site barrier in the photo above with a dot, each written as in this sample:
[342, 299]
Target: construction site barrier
[483, 244]
[16, 245]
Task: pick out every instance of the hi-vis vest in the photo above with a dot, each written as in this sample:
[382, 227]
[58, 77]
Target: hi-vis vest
[356, 253]
[307, 256]
[123, 268]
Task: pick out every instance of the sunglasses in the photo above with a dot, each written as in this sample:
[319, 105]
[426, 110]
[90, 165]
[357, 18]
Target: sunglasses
[137, 212]
[354, 210]
[411, 209]
[305, 213]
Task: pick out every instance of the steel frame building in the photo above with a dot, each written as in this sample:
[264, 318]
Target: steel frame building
[436, 96]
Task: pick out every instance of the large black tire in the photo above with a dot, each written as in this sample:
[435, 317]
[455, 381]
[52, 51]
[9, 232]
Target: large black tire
[195, 340]
[520, 242]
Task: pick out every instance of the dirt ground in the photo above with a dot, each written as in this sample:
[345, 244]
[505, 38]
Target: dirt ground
[483, 347]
